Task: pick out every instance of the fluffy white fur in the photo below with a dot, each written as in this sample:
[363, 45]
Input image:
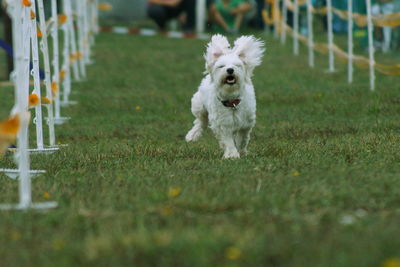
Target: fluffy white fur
[231, 125]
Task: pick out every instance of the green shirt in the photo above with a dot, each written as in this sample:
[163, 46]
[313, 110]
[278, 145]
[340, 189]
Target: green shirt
[224, 10]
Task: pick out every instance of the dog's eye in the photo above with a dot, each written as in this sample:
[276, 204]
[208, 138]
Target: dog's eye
[220, 67]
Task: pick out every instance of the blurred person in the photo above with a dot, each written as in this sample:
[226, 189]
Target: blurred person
[162, 11]
[257, 21]
[396, 30]
[228, 15]
[383, 34]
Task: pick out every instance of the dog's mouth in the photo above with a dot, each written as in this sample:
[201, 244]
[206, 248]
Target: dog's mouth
[230, 79]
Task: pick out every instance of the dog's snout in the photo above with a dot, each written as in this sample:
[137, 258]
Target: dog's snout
[230, 71]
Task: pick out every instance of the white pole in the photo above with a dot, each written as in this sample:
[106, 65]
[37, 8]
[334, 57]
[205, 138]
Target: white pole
[22, 50]
[350, 39]
[66, 58]
[310, 34]
[36, 78]
[87, 42]
[200, 15]
[71, 30]
[56, 58]
[296, 27]
[276, 19]
[81, 36]
[330, 36]
[387, 36]
[22, 24]
[93, 22]
[283, 22]
[371, 47]
[96, 16]
[387, 8]
[47, 79]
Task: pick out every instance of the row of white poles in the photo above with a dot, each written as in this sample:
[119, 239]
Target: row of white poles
[330, 36]
[26, 36]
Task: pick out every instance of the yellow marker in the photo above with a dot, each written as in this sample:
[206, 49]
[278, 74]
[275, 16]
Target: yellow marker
[39, 33]
[296, 173]
[62, 75]
[62, 18]
[233, 253]
[54, 88]
[174, 192]
[105, 7]
[8, 131]
[46, 101]
[79, 55]
[33, 100]
[33, 15]
[26, 3]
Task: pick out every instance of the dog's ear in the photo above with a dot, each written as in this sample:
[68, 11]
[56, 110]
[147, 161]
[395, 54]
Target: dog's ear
[250, 50]
[218, 46]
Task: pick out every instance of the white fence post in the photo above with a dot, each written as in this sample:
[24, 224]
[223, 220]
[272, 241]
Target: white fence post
[200, 15]
[371, 47]
[350, 40]
[296, 27]
[276, 18]
[56, 61]
[330, 36]
[47, 72]
[38, 120]
[283, 22]
[21, 19]
[310, 34]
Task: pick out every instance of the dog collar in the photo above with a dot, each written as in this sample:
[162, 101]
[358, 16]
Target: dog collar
[231, 103]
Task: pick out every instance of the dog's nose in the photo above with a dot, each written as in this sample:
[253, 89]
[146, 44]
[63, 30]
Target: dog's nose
[230, 71]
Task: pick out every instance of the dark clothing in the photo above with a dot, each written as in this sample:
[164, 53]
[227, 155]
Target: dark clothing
[162, 14]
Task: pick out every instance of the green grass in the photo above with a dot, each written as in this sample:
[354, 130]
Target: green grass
[322, 152]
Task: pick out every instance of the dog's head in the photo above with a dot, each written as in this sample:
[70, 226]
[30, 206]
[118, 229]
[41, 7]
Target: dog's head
[229, 67]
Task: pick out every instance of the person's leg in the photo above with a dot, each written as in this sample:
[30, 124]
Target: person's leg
[260, 8]
[217, 18]
[189, 7]
[243, 10]
[238, 22]
[159, 14]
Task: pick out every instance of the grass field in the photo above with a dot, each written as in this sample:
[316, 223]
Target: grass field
[320, 186]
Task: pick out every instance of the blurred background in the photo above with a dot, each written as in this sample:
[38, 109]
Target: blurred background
[233, 17]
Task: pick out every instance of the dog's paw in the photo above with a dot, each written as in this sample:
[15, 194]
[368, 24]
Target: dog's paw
[193, 135]
[233, 154]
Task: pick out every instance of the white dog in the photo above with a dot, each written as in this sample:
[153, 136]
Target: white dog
[225, 99]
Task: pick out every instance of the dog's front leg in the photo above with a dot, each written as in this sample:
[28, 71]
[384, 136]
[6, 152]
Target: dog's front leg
[242, 140]
[227, 143]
